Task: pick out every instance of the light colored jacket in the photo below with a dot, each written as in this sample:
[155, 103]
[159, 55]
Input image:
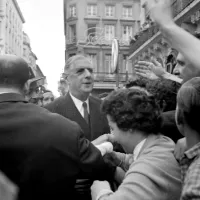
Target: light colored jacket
[155, 175]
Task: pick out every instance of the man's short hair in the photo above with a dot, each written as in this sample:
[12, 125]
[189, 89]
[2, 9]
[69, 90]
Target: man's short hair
[72, 60]
[188, 100]
[14, 71]
[133, 109]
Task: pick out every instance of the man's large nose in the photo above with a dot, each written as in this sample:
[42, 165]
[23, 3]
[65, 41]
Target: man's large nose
[88, 73]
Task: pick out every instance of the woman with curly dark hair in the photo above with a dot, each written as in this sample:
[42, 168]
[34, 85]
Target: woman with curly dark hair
[153, 173]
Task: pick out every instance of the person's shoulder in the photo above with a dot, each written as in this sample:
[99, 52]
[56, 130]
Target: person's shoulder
[57, 101]
[95, 99]
[60, 121]
[158, 147]
[161, 144]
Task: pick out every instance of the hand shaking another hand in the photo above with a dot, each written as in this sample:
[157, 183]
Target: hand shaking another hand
[105, 148]
[104, 138]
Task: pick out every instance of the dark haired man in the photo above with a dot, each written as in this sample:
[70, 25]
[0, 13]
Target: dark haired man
[41, 152]
[80, 106]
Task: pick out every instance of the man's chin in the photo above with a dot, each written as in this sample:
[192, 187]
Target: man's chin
[87, 90]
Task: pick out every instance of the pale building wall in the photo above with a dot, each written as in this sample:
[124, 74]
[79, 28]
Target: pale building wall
[81, 10]
[101, 51]
[11, 23]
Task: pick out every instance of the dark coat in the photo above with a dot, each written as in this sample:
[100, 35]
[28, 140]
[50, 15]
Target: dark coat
[44, 153]
[98, 122]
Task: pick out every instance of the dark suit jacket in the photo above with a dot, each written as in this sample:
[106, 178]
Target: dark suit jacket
[44, 153]
[169, 127]
[98, 122]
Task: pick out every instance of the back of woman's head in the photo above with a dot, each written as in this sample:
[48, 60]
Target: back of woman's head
[133, 109]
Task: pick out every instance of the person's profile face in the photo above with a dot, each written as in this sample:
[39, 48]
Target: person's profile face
[81, 79]
[184, 69]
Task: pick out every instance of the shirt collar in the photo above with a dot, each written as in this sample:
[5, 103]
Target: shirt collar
[78, 103]
[11, 97]
[138, 148]
[193, 152]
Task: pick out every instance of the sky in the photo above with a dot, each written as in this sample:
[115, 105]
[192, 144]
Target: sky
[45, 28]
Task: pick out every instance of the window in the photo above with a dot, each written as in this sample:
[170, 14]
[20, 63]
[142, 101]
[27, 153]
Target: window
[124, 65]
[72, 33]
[93, 59]
[91, 31]
[108, 63]
[127, 32]
[127, 11]
[110, 11]
[92, 10]
[72, 11]
[109, 32]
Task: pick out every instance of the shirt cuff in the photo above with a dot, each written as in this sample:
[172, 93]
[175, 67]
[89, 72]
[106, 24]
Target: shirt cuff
[103, 193]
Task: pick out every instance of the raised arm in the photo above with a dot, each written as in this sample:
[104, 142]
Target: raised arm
[184, 42]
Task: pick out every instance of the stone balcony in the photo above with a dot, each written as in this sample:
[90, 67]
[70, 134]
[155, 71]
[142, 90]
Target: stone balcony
[177, 7]
[108, 77]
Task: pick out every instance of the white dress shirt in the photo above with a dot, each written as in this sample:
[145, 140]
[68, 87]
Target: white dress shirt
[79, 104]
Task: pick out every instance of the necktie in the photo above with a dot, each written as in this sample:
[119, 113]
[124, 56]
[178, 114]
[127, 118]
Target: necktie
[86, 115]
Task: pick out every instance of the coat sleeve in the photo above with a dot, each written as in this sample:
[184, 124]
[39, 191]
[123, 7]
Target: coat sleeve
[91, 162]
[144, 181]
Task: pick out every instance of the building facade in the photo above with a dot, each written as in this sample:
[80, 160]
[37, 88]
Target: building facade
[31, 59]
[11, 24]
[90, 27]
[149, 41]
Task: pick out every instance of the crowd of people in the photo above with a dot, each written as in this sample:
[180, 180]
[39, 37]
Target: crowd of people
[140, 142]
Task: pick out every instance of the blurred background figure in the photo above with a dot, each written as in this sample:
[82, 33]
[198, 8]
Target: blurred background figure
[34, 91]
[63, 87]
[48, 97]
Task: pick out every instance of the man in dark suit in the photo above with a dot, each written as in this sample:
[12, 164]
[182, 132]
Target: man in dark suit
[79, 106]
[79, 75]
[41, 152]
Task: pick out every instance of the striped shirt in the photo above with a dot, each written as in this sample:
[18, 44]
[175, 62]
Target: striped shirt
[190, 171]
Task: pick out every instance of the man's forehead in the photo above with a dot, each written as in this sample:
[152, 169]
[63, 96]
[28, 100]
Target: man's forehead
[82, 63]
